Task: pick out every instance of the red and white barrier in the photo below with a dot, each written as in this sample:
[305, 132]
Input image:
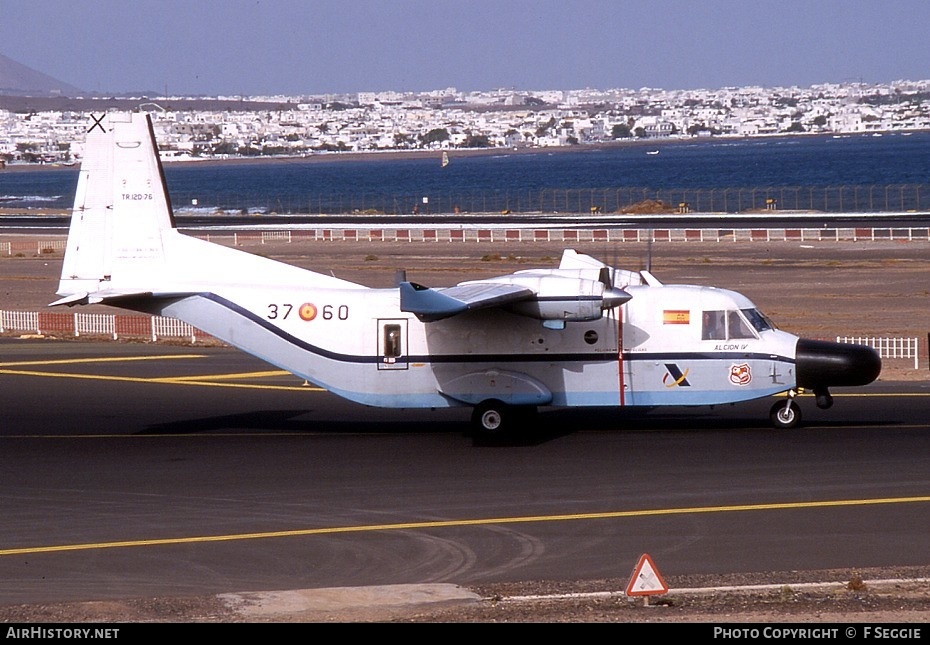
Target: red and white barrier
[115, 326]
[480, 235]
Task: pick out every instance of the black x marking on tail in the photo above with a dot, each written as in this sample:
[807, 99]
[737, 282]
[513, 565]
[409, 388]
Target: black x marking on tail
[97, 123]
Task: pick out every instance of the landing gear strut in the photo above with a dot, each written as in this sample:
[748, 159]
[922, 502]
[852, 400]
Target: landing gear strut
[786, 414]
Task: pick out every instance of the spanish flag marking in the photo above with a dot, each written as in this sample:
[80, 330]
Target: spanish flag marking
[676, 317]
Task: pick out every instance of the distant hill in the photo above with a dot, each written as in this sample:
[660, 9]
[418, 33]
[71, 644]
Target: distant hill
[18, 80]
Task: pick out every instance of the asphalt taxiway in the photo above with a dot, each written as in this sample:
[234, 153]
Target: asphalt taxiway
[134, 470]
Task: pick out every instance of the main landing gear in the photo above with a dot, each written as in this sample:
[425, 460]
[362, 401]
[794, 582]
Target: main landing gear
[493, 418]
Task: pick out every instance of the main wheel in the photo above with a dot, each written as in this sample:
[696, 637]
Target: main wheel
[492, 418]
[785, 415]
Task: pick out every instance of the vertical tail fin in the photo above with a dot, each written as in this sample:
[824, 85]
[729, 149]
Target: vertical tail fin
[121, 209]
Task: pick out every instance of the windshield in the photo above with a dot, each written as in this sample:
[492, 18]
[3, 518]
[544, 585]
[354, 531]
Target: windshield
[758, 320]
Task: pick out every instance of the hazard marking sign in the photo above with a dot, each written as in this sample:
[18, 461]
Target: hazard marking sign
[646, 579]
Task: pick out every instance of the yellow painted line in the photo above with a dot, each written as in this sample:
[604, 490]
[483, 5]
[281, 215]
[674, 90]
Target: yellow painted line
[459, 523]
[203, 379]
[76, 361]
[163, 380]
[851, 395]
[885, 394]
[223, 377]
[92, 377]
[245, 386]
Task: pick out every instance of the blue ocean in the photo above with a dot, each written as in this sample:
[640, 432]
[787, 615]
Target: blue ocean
[862, 172]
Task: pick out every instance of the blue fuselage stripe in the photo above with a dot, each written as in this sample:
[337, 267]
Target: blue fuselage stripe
[599, 357]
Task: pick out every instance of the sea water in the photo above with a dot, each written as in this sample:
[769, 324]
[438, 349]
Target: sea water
[394, 183]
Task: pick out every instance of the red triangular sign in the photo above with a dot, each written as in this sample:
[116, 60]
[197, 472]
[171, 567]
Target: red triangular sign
[646, 579]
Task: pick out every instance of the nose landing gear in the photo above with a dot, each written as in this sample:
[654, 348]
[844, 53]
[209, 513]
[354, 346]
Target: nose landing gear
[786, 414]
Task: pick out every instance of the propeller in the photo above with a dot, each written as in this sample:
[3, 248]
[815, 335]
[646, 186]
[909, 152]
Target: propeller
[613, 296]
[649, 252]
[607, 275]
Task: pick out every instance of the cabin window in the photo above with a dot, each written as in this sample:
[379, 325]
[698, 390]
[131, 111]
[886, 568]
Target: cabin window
[392, 341]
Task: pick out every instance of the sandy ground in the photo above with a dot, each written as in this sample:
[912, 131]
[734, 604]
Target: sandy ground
[841, 597]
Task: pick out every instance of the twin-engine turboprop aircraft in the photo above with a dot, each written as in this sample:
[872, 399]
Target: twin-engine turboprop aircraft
[582, 334]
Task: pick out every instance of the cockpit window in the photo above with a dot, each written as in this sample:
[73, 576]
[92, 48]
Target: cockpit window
[758, 320]
[713, 326]
[723, 325]
[737, 327]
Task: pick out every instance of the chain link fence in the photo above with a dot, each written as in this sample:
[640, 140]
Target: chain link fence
[826, 199]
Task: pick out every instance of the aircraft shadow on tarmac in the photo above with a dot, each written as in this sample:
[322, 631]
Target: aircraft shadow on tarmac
[298, 422]
[537, 429]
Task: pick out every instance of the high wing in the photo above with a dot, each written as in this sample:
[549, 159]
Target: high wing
[582, 288]
[435, 304]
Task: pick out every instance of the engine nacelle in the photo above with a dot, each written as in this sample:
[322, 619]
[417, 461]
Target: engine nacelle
[548, 295]
[572, 295]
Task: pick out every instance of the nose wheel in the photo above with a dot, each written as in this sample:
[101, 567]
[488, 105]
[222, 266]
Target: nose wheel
[786, 414]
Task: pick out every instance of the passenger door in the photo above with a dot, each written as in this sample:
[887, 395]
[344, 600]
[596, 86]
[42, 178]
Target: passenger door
[392, 343]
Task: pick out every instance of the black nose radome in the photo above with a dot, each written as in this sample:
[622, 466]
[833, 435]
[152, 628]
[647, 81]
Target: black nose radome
[821, 364]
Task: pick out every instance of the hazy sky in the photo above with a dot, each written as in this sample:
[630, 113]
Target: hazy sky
[294, 47]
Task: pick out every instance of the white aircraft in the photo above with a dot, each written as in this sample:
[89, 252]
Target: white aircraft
[582, 334]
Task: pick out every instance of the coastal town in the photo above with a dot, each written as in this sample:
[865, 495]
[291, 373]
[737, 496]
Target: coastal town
[189, 128]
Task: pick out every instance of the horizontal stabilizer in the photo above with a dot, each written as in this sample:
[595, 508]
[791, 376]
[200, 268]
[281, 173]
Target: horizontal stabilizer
[71, 299]
[435, 304]
[111, 296]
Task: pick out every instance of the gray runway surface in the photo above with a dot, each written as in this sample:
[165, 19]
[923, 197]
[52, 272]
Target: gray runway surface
[137, 470]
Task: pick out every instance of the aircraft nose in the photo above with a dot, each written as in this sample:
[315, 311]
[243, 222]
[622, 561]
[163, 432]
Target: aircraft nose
[820, 364]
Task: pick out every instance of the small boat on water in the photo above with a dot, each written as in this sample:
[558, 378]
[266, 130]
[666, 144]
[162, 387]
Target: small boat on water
[652, 152]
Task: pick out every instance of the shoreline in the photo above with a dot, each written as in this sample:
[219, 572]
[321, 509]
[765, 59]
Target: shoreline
[394, 155]
[367, 155]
